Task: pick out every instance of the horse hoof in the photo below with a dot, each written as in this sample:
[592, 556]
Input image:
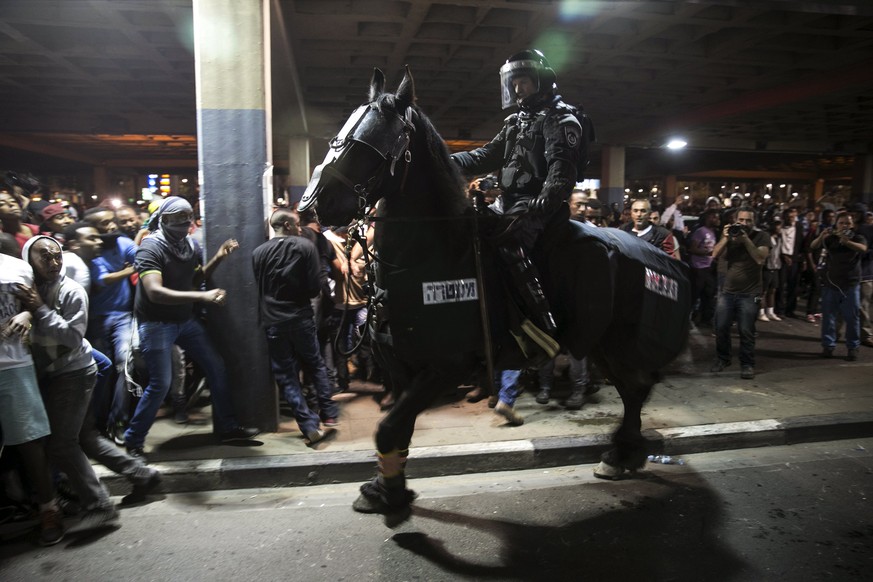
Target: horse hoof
[605, 471]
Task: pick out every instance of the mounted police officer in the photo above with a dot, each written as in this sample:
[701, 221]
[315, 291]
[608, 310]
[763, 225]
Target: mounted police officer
[539, 153]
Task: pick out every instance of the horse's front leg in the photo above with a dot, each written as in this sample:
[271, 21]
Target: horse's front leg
[387, 493]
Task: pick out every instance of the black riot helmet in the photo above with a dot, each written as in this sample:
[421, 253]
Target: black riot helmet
[530, 63]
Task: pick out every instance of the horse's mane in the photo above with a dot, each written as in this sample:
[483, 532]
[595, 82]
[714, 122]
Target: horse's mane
[448, 185]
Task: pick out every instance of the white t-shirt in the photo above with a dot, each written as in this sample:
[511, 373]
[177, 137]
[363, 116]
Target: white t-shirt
[789, 233]
[13, 353]
[77, 270]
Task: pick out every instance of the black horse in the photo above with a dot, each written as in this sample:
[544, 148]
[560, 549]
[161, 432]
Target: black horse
[617, 300]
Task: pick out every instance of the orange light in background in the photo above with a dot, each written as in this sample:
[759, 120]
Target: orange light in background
[165, 184]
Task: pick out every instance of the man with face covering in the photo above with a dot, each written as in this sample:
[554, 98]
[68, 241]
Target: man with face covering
[170, 274]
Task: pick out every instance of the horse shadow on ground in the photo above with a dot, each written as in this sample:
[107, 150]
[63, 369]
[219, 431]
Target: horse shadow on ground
[671, 535]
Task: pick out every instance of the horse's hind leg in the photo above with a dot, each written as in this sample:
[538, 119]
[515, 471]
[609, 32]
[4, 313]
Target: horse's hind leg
[629, 447]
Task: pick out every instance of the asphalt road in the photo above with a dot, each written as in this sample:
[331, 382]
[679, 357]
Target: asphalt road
[798, 512]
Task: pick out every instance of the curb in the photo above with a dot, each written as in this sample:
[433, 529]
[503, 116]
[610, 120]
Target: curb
[351, 466]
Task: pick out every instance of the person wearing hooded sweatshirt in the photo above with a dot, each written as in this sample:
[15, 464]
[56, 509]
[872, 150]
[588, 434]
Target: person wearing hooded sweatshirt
[170, 275]
[66, 371]
[23, 420]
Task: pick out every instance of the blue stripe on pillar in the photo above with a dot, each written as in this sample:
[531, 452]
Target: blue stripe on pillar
[232, 152]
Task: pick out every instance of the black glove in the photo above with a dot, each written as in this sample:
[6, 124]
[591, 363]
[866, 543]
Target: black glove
[544, 204]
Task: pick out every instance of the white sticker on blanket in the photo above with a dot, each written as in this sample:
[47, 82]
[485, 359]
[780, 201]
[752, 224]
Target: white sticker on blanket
[454, 291]
[662, 284]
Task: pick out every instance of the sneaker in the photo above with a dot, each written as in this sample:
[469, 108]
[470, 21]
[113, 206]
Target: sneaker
[827, 353]
[318, 435]
[137, 453]
[747, 373]
[67, 500]
[51, 527]
[115, 433]
[492, 401]
[774, 317]
[330, 422]
[98, 517]
[763, 317]
[719, 365]
[142, 489]
[852, 355]
[180, 415]
[509, 413]
[810, 318]
[542, 396]
[240, 433]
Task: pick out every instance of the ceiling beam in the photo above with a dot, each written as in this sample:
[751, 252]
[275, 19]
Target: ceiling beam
[25, 144]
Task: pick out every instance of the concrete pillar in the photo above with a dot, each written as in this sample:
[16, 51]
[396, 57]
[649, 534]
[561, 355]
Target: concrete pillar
[233, 135]
[862, 180]
[612, 176]
[818, 189]
[298, 168]
[100, 175]
[670, 193]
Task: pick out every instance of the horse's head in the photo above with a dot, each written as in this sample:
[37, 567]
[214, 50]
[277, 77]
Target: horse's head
[366, 157]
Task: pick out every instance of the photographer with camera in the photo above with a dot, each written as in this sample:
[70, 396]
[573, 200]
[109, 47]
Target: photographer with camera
[841, 283]
[742, 251]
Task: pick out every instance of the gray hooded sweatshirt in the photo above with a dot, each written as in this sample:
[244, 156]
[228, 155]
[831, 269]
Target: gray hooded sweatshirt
[58, 333]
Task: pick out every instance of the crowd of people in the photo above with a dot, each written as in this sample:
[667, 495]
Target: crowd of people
[101, 311]
[749, 263]
[101, 308]
[106, 300]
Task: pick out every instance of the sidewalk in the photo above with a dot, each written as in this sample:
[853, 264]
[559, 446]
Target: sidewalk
[796, 396]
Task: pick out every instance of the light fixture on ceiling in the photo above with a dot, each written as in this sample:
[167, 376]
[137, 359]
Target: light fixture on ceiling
[676, 143]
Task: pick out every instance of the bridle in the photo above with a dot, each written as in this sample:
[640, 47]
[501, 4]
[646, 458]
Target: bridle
[366, 126]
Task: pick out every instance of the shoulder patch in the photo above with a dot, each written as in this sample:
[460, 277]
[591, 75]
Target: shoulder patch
[571, 136]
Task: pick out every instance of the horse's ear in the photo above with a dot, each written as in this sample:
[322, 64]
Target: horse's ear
[406, 90]
[377, 84]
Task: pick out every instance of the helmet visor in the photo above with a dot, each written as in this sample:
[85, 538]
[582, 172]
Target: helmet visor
[513, 70]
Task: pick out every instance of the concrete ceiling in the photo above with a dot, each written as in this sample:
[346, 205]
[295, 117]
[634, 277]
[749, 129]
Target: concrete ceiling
[788, 83]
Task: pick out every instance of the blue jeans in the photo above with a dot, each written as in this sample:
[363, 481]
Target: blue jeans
[508, 381]
[111, 333]
[353, 319]
[744, 309]
[293, 346]
[100, 397]
[848, 304]
[156, 341]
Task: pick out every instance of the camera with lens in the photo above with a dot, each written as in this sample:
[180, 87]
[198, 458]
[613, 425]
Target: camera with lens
[735, 230]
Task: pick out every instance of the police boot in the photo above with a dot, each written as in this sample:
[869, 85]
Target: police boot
[576, 398]
[526, 279]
